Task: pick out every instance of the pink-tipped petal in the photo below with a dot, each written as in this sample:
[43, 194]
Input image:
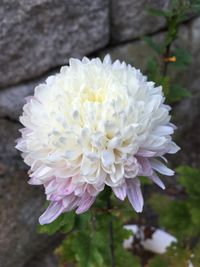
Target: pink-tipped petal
[134, 194]
[51, 213]
[85, 203]
[120, 192]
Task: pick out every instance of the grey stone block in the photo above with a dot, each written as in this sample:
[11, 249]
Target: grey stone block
[38, 35]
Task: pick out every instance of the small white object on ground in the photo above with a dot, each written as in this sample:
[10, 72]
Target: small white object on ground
[157, 244]
[190, 264]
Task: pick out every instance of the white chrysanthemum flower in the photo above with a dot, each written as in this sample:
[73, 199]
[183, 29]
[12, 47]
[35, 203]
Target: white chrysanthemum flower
[95, 124]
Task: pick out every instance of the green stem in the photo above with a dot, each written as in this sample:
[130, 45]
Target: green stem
[111, 233]
[166, 55]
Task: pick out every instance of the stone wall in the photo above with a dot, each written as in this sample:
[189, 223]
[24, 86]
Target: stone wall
[36, 37]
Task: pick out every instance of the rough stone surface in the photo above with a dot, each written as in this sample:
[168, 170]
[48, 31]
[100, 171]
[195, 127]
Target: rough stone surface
[13, 99]
[38, 35]
[49, 260]
[20, 203]
[130, 18]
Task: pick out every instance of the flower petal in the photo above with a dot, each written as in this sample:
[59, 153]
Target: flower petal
[51, 213]
[120, 191]
[134, 194]
[160, 167]
[145, 166]
[157, 180]
[107, 158]
[85, 203]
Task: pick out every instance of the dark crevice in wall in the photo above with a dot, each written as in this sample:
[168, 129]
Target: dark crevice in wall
[139, 38]
[9, 119]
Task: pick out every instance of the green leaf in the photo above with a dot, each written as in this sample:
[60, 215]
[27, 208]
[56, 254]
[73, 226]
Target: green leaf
[181, 216]
[64, 223]
[195, 5]
[83, 220]
[173, 215]
[177, 93]
[152, 69]
[176, 256]
[183, 58]
[145, 180]
[164, 81]
[87, 253]
[159, 12]
[154, 45]
[190, 179]
[159, 261]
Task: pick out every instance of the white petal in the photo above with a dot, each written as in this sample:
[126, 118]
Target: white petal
[160, 167]
[163, 130]
[145, 166]
[114, 142]
[173, 148]
[157, 180]
[85, 203]
[134, 194]
[107, 157]
[120, 191]
[51, 213]
[107, 60]
[117, 173]
[145, 153]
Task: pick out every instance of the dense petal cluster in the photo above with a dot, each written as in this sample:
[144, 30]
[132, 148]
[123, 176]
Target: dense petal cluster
[94, 124]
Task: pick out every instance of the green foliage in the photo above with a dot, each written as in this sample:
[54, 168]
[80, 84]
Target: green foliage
[195, 5]
[195, 256]
[176, 256]
[89, 244]
[167, 55]
[173, 92]
[181, 217]
[154, 74]
[154, 45]
[183, 58]
[160, 12]
[173, 215]
[190, 179]
[177, 92]
[178, 9]
[63, 223]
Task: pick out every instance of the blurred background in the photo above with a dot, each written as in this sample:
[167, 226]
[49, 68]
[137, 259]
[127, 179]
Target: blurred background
[36, 38]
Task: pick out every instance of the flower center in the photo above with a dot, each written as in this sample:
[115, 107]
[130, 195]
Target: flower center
[92, 95]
